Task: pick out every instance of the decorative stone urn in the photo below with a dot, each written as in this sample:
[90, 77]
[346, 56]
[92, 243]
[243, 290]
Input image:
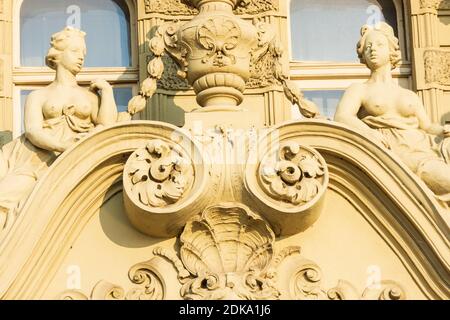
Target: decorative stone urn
[215, 49]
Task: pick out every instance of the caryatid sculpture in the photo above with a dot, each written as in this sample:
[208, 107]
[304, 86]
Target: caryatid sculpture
[56, 117]
[393, 116]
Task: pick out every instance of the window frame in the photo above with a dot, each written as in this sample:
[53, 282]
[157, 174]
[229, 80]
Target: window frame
[37, 77]
[326, 75]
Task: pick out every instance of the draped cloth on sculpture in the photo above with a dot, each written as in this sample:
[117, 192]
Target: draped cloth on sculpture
[413, 145]
[22, 163]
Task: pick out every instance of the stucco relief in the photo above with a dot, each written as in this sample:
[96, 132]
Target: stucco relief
[227, 253]
[182, 7]
[435, 4]
[159, 174]
[430, 4]
[445, 5]
[437, 67]
[294, 175]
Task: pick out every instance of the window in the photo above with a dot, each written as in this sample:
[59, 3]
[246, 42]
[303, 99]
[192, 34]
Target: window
[110, 40]
[323, 42]
[329, 30]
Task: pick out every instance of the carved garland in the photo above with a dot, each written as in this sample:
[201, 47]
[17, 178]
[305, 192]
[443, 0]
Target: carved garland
[227, 253]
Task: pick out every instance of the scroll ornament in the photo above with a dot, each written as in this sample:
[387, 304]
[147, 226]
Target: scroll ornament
[295, 177]
[227, 252]
[160, 174]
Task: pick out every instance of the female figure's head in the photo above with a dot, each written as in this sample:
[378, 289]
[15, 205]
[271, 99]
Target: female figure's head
[68, 49]
[378, 46]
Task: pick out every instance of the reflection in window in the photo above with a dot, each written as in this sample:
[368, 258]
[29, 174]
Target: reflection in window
[106, 22]
[324, 30]
[327, 101]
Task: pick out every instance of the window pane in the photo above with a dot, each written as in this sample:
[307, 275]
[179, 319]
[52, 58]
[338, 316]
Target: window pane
[324, 30]
[327, 101]
[122, 97]
[106, 23]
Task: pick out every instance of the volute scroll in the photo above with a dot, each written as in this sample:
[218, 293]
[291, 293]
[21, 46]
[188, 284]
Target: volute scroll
[165, 183]
[288, 184]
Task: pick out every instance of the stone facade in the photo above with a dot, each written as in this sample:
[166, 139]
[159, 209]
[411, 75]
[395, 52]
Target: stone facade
[216, 193]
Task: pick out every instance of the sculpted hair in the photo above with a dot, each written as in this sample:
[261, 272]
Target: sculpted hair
[388, 32]
[59, 42]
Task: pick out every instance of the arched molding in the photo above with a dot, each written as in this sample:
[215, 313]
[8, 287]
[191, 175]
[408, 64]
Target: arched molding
[392, 200]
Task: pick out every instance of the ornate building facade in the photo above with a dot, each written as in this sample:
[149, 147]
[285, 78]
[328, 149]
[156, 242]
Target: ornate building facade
[255, 153]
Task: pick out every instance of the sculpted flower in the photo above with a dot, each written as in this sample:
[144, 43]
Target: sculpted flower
[136, 104]
[157, 46]
[149, 87]
[159, 174]
[156, 68]
[295, 177]
[310, 167]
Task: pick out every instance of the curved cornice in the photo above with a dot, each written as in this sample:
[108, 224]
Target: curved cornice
[396, 203]
[47, 220]
[393, 200]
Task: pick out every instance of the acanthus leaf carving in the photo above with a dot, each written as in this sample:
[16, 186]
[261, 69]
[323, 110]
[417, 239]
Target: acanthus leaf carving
[256, 6]
[160, 174]
[305, 284]
[266, 68]
[295, 175]
[185, 8]
[148, 287]
[170, 7]
[430, 4]
[227, 252]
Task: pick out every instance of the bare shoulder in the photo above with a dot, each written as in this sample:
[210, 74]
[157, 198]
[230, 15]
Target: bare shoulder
[356, 88]
[93, 97]
[38, 95]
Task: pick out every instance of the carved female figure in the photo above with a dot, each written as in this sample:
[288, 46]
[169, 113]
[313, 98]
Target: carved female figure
[394, 116]
[56, 117]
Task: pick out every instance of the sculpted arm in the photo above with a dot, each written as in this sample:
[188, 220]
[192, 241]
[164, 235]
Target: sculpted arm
[34, 120]
[104, 107]
[425, 122]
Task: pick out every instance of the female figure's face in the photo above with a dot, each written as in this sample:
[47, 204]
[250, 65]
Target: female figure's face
[376, 50]
[72, 58]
